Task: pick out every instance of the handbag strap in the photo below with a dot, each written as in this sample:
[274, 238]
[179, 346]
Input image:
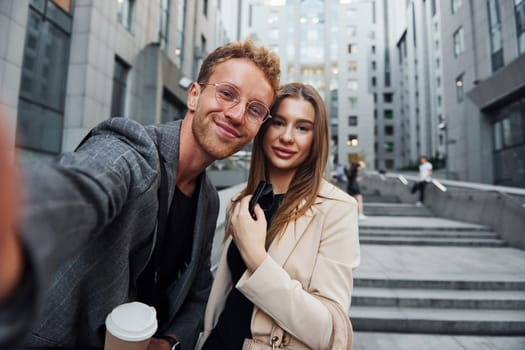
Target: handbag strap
[342, 332]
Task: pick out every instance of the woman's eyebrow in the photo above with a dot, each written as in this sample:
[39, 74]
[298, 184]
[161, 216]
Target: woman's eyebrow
[295, 121]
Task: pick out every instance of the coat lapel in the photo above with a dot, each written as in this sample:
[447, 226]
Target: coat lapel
[280, 249]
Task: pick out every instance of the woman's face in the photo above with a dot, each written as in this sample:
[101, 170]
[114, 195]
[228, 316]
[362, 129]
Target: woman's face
[288, 139]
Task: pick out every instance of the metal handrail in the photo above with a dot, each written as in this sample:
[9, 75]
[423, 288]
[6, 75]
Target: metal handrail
[509, 193]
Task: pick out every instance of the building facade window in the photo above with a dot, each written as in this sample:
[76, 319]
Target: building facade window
[120, 80]
[433, 7]
[387, 68]
[353, 140]
[389, 147]
[459, 42]
[389, 114]
[496, 43]
[44, 75]
[455, 5]
[460, 94]
[389, 130]
[352, 31]
[172, 108]
[352, 66]
[352, 120]
[165, 6]
[509, 145]
[354, 102]
[273, 33]
[352, 85]
[388, 97]
[519, 10]
[125, 13]
[205, 7]
[179, 37]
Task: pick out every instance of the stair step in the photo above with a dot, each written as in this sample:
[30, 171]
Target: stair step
[461, 299]
[443, 321]
[367, 226]
[434, 241]
[373, 198]
[401, 341]
[392, 205]
[427, 233]
[397, 209]
[396, 213]
[442, 284]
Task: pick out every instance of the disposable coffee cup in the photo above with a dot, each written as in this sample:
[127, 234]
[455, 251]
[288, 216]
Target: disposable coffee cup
[130, 327]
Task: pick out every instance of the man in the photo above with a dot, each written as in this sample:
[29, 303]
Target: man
[424, 177]
[87, 239]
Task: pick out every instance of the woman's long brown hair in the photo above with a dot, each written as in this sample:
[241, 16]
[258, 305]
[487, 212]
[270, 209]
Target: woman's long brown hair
[304, 188]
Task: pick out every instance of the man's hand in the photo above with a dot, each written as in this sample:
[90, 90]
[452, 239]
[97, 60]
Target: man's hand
[11, 261]
[158, 344]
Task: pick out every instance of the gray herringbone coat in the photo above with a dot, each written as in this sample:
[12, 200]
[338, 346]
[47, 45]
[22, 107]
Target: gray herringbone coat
[88, 231]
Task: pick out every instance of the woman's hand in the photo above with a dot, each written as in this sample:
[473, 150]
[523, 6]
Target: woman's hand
[249, 234]
[11, 261]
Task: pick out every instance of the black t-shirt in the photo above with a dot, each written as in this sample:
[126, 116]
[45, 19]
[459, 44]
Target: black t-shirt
[172, 257]
[235, 320]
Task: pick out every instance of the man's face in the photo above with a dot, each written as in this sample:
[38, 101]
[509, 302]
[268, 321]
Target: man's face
[222, 131]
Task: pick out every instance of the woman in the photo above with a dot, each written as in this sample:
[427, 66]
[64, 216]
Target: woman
[353, 188]
[305, 243]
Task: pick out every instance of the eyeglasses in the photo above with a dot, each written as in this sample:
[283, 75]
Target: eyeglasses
[229, 96]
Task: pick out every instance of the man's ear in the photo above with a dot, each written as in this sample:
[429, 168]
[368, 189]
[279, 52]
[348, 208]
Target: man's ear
[193, 96]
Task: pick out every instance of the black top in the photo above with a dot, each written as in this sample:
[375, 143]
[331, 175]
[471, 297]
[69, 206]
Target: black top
[235, 320]
[353, 186]
[174, 255]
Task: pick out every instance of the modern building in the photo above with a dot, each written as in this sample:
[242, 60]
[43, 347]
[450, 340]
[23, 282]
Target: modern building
[325, 44]
[458, 72]
[388, 126]
[484, 97]
[67, 65]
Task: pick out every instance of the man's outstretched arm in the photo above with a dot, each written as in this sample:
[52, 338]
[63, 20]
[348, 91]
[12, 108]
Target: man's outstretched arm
[11, 260]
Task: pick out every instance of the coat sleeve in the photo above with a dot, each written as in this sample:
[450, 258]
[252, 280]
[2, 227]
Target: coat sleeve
[69, 201]
[292, 305]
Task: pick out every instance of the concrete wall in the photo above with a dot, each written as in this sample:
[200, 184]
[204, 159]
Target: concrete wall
[501, 208]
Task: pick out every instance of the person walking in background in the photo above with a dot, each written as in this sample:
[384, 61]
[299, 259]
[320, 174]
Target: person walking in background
[423, 178]
[340, 176]
[302, 245]
[353, 188]
[92, 233]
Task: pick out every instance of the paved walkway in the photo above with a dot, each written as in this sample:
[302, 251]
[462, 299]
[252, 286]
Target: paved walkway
[485, 263]
[397, 341]
[435, 263]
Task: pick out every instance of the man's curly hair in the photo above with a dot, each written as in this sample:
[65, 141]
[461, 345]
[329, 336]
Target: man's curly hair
[261, 56]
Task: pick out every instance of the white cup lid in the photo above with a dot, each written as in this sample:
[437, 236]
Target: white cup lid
[132, 321]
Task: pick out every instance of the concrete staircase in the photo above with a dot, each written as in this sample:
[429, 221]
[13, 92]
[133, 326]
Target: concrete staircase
[421, 274]
[395, 209]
